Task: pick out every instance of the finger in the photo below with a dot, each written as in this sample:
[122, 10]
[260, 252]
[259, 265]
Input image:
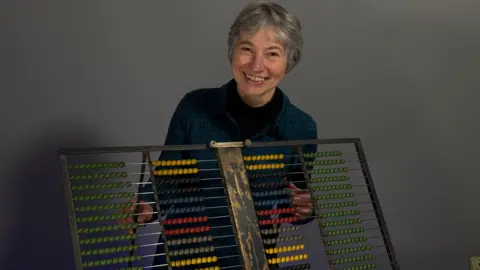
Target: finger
[293, 187]
[128, 220]
[301, 200]
[303, 210]
[142, 218]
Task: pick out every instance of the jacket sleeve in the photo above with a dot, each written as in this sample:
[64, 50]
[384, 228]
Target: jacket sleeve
[176, 135]
[309, 133]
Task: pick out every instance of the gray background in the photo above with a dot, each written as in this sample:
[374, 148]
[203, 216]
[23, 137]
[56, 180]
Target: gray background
[401, 75]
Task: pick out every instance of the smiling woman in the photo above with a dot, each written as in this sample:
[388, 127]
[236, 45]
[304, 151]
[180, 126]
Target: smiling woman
[265, 44]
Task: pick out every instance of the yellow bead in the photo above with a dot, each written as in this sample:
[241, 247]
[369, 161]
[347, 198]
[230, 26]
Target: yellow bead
[174, 162]
[169, 162]
[215, 258]
[204, 260]
[194, 161]
[195, 170]
[282, 165]
[263, 157]
[282, 259]
[281, 156]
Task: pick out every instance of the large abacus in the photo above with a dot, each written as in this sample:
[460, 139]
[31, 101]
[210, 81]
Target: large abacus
[248, 202]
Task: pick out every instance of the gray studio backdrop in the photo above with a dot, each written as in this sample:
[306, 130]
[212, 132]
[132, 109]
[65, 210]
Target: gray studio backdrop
[401, 75]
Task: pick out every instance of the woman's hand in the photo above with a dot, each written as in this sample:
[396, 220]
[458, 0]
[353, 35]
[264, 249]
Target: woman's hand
[301, 201]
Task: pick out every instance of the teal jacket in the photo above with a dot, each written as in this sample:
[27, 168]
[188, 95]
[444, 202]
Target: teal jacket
[200, 117]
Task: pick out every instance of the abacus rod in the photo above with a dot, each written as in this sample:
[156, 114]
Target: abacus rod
[373, 196]
[71, 212]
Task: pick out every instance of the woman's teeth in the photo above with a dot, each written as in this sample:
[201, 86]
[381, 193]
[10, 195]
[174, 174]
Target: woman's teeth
[255, 78]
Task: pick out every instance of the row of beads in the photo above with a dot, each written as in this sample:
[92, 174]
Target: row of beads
[349, 250]
[255, 167]
[98, 176]
[194, 261]
[344, 232]
[270, 184]
[325, 162]
[291, 258]
[100, 207]
[102, 218]
[347, 241]
[284, 249]
[209, 268]
[276, 211]
[361, 267]
[104, 196]
[187, 230]
[191, 251]
[102, 186]
[271, 193]
[324, 179]
[335, 196]
[352, 259]
[174, 162]
[332, 187]
[133, 268]
[340, 214]
[304, 266]
[341, 222]
[185, 220]
[277, 221]
[107, 239]
[191, 240]
[182, 200]
[272, 202]
[271, 241]
[107, 165]
[109, 250]
[185, 210]
[328, 170]
[262, 175]
[337, 205]
[180, 190]
[180, 171]
[264, 157]
[97, 263]
[323, 154]
[183, 180]
[108, 228]
[279, 230]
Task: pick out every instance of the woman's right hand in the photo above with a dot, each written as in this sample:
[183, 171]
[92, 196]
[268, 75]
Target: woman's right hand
[144, 213]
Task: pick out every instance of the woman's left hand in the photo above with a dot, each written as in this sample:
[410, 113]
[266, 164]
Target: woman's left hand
[301, 201]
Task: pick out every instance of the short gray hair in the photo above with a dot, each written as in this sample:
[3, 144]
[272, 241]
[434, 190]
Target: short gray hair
[259, 14]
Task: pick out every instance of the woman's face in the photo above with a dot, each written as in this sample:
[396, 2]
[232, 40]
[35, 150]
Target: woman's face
[259, 64]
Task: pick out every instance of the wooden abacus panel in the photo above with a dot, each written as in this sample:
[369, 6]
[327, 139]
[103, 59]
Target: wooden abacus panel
[226, 206]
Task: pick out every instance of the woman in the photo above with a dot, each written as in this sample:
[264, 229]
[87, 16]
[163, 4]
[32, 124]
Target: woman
[264, 44]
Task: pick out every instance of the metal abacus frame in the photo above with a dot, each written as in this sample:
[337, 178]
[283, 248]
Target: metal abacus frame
[243, 215]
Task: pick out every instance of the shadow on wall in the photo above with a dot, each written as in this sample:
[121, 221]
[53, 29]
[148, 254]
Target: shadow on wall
[41, 237]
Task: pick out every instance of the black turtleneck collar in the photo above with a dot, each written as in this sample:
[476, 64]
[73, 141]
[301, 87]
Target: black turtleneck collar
[249, 119]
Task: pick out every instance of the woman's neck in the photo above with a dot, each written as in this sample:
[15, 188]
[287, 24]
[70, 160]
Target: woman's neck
[257, 101]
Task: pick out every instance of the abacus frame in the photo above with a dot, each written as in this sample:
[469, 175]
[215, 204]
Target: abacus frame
[229, 158]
